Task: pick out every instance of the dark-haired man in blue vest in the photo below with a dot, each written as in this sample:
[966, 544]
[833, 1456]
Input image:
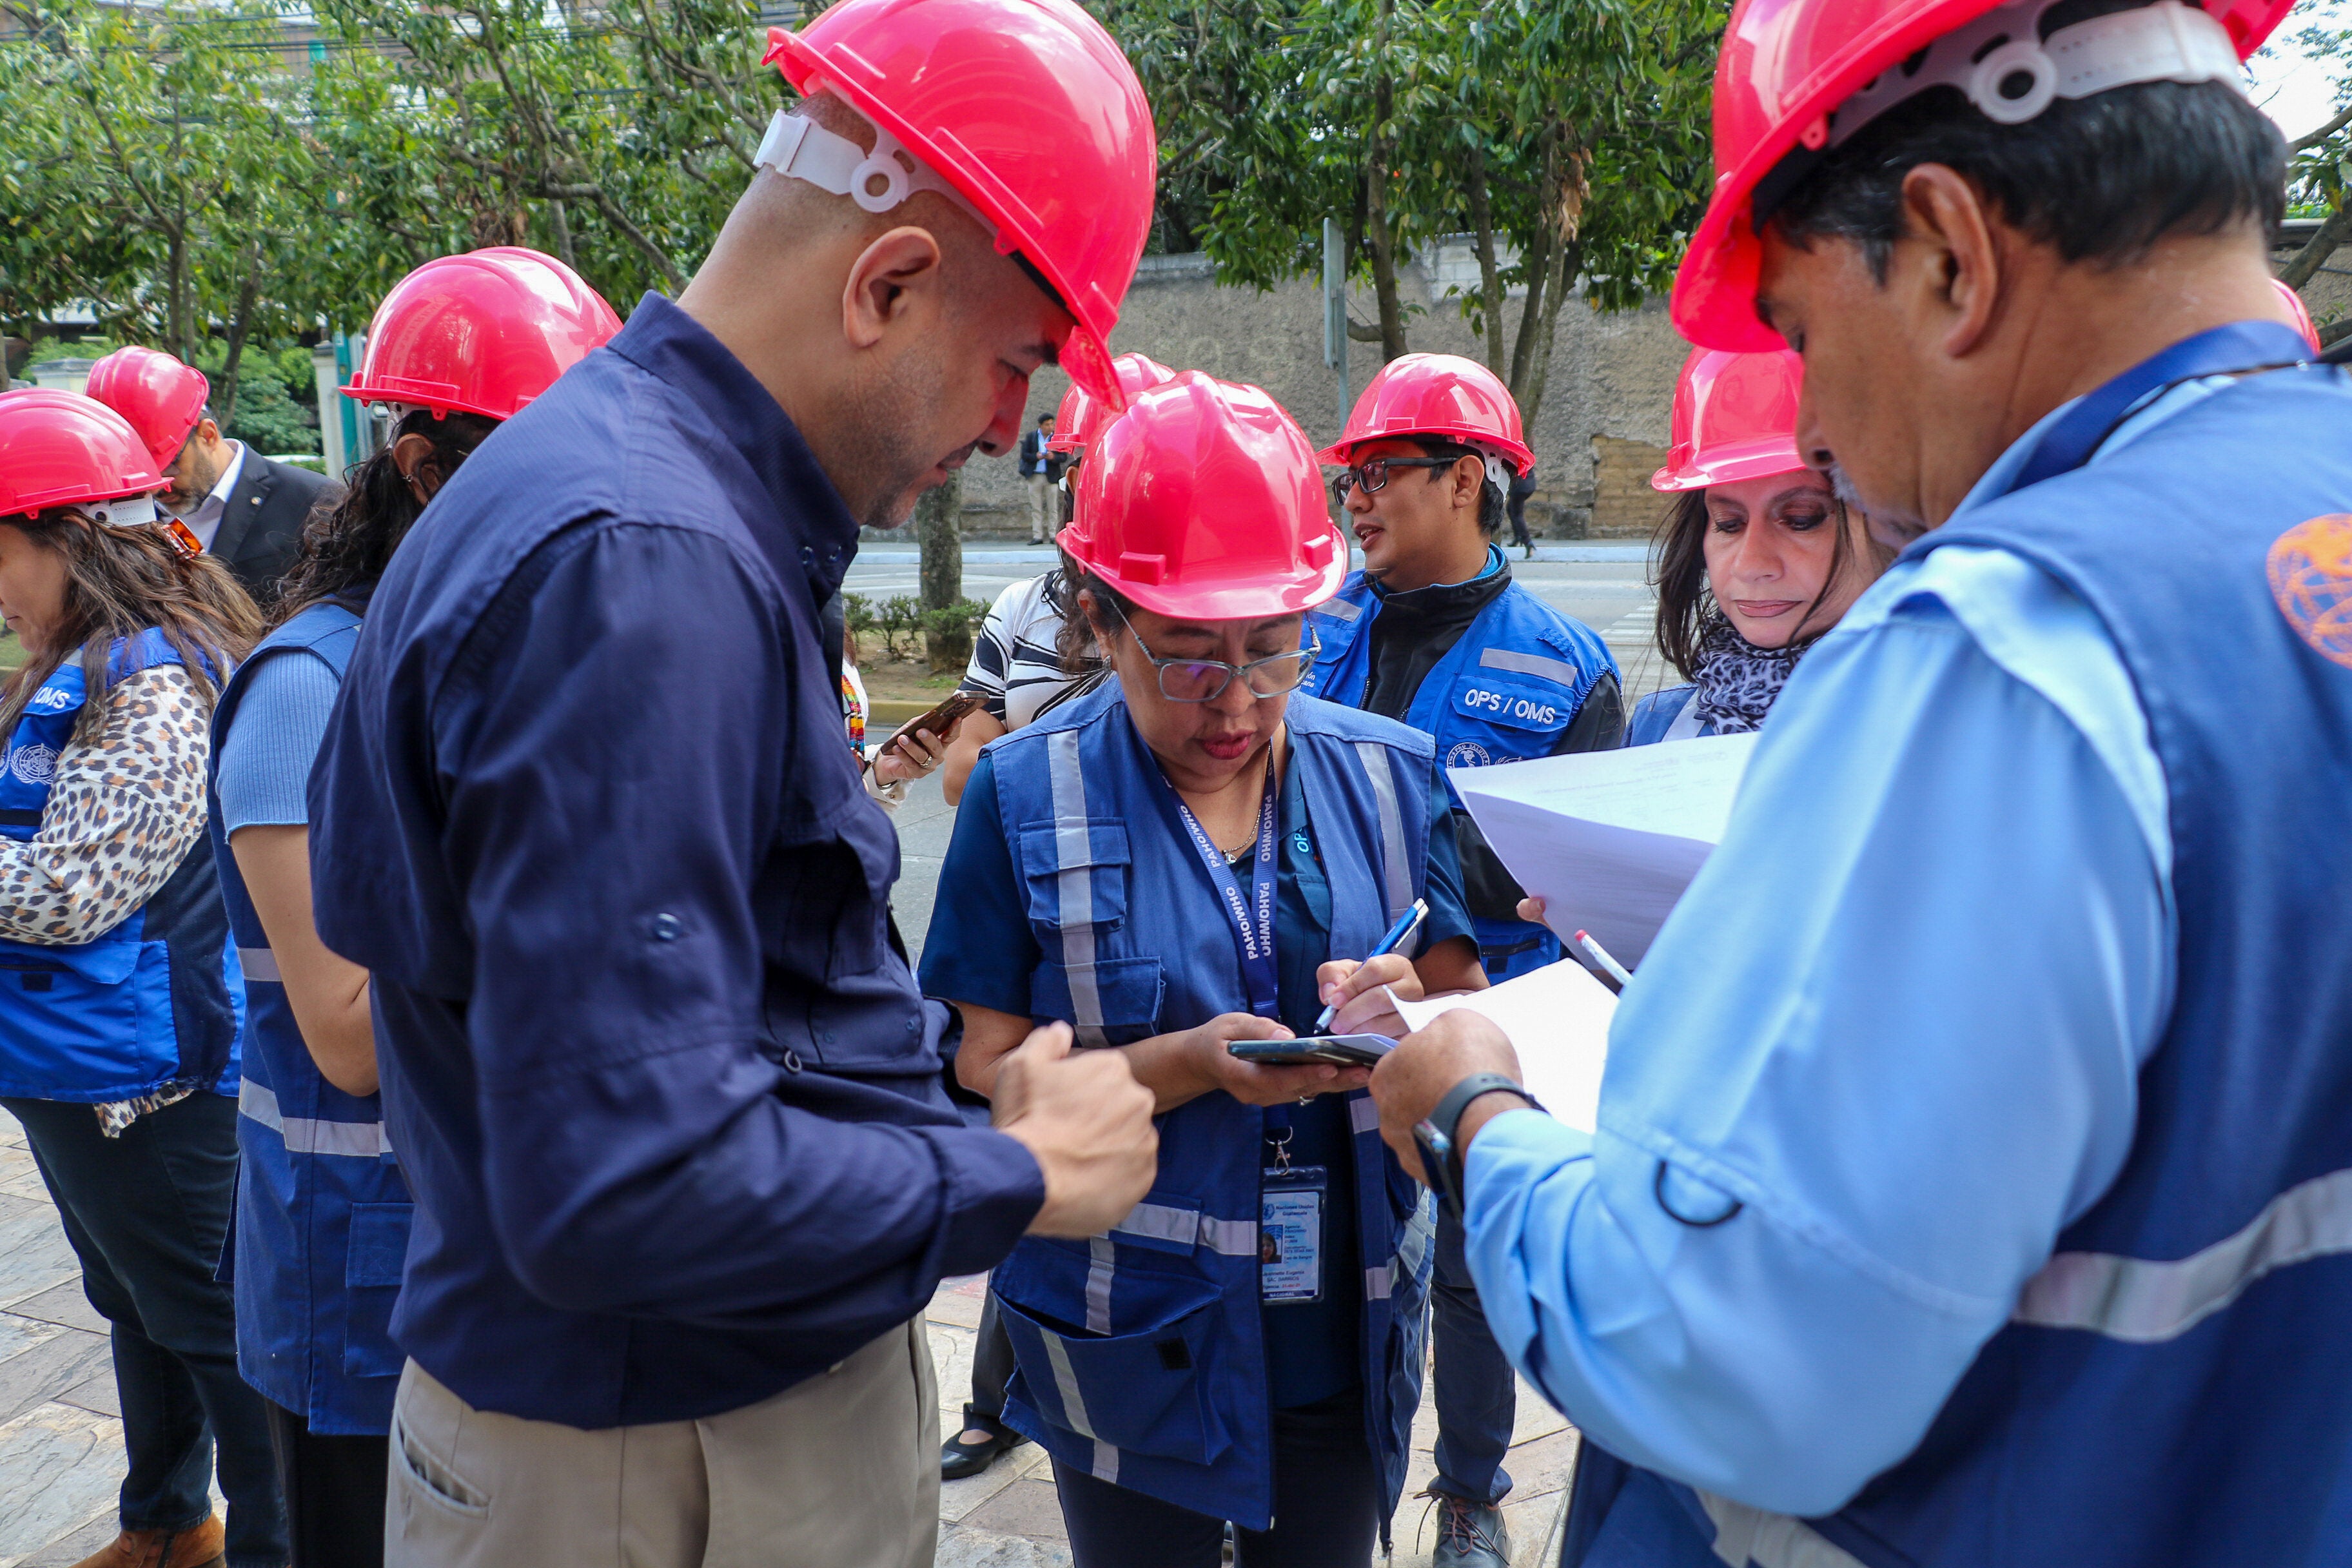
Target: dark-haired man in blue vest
[1973, 1175]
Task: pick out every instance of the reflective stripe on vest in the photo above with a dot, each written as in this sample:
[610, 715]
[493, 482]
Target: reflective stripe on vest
[309, 1136]
[2147, 1301]
[1686, 725]
[1379, 1281]
[1396, 870]
[1558, 670]
[1190, 1228]
[1076, 885]
[259, 963]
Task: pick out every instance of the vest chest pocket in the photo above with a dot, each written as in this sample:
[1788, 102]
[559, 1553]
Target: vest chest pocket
[1074, 874]
[1508, 717]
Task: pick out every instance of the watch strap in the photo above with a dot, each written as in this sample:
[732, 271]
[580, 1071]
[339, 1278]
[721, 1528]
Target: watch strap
[1447, 1117]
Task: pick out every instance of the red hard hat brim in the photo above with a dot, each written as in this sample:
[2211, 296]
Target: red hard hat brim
[1760, 460]
[1515, 453]
[434, 399]
[1714, 301]
[1233, 599]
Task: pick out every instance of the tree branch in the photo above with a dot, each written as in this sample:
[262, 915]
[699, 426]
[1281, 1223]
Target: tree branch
[2306, 143]
[2319, 248]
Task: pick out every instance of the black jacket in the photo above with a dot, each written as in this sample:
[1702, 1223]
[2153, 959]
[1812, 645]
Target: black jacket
[261, 527]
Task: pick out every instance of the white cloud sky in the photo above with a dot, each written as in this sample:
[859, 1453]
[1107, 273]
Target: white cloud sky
[2297, 92]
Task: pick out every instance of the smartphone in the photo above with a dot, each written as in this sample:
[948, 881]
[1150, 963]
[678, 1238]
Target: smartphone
[1316, 1051]
[942, 719]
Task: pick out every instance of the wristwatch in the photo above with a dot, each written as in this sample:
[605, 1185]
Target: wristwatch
[1440, 1151]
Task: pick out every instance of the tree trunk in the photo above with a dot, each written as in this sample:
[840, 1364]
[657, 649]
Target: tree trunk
[2315, 251]
[1565, 261]
[182, 342]
[939, 516]
[1490, 277]
[249, 289]
[557, 221]
[1539, 266]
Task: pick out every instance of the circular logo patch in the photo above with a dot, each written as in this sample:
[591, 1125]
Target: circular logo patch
[35, 764]
[1468, 755]
[2311, 578]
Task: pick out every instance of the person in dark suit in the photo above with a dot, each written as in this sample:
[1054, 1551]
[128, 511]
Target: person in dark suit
[243, 507]
[249, 509]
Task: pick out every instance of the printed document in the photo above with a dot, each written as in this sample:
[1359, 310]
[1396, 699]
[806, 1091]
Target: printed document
[1608, 839]
[1558, 1020]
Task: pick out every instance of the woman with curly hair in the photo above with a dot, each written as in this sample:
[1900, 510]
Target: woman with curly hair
[120, 1000]
[323, 1216]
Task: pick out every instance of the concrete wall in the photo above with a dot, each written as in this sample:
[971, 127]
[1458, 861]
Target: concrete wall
[1610, 376]
[1599, 431]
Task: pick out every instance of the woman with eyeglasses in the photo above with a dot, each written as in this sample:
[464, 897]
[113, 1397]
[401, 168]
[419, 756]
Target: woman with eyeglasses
[1191, 856]
[1756, 557]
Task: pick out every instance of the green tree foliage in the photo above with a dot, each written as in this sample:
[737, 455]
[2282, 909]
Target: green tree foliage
[161, 172]
[1569, 140]
[2321, 175]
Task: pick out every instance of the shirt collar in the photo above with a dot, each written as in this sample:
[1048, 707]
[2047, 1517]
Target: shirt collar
[225, 486]
[816, 531]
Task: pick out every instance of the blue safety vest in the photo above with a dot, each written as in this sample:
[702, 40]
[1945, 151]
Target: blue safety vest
[322, 1214]
[153, 1003]
[2174, 1389]
[1504, 692]
[1667, 715]
[1139, 1353]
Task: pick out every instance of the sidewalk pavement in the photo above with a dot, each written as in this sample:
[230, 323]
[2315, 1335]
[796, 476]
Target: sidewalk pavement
[61, 1456]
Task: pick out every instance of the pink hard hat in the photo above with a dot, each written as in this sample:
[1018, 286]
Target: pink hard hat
[62, 448]
[1441, 395]
[163, 398]
[1203, 500]
[1809, 73]
[2302, 323]
[1081, 412]
[1735, 418]
[1029, 110]
[482, 332]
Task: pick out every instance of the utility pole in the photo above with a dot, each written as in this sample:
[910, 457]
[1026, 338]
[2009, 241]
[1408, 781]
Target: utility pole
[1334, 308]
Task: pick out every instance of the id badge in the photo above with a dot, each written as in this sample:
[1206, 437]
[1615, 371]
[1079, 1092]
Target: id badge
[1290, 1235]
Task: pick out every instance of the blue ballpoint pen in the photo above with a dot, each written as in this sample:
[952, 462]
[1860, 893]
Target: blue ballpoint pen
[1399, 934]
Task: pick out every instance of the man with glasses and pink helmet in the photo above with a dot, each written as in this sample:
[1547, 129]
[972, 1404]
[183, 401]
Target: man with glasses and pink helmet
[667, 1096]
[1973, 1174]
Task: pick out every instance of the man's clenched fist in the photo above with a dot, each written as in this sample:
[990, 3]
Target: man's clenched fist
[1088, 1123]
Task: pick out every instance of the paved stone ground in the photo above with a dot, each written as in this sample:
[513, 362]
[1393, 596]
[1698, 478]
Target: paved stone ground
[61, 1455]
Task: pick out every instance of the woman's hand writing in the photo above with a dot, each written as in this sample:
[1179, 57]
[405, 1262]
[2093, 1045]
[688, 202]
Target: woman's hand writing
[1362, 993]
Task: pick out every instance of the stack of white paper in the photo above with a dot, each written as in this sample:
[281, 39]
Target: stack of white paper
[1558, 1020]
[1608, 839]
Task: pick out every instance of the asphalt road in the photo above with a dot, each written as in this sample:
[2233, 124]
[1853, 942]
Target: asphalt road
[1601, 585]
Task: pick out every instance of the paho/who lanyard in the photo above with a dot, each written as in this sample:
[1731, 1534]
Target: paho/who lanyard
[1253, 917]
[1290, 1225]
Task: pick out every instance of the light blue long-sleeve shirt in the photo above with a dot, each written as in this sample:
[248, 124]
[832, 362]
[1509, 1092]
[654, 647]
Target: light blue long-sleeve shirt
[1898, 1018]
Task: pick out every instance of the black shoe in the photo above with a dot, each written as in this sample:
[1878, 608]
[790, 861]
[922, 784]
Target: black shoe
[1469, 1534]
[960, 1459]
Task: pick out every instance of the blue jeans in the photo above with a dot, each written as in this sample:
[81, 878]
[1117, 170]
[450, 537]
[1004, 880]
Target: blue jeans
[148, 1213]
[1477, 1395]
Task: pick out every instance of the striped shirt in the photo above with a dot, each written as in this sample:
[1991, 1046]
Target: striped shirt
[1015, 666]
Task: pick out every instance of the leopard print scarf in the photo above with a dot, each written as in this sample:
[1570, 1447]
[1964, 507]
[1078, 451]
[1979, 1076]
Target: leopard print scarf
[1738, 681]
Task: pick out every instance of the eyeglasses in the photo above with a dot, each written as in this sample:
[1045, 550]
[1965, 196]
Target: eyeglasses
[1205, 680]
[1373, 473]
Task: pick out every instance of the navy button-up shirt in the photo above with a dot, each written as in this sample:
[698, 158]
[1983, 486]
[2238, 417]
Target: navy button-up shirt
[653, 1060]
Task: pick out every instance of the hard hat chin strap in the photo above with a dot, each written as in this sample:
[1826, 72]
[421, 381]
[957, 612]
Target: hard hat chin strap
[2011, 73]
[800, 149]
[121, 512]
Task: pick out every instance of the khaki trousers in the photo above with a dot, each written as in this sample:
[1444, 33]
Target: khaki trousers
[841, 1471]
